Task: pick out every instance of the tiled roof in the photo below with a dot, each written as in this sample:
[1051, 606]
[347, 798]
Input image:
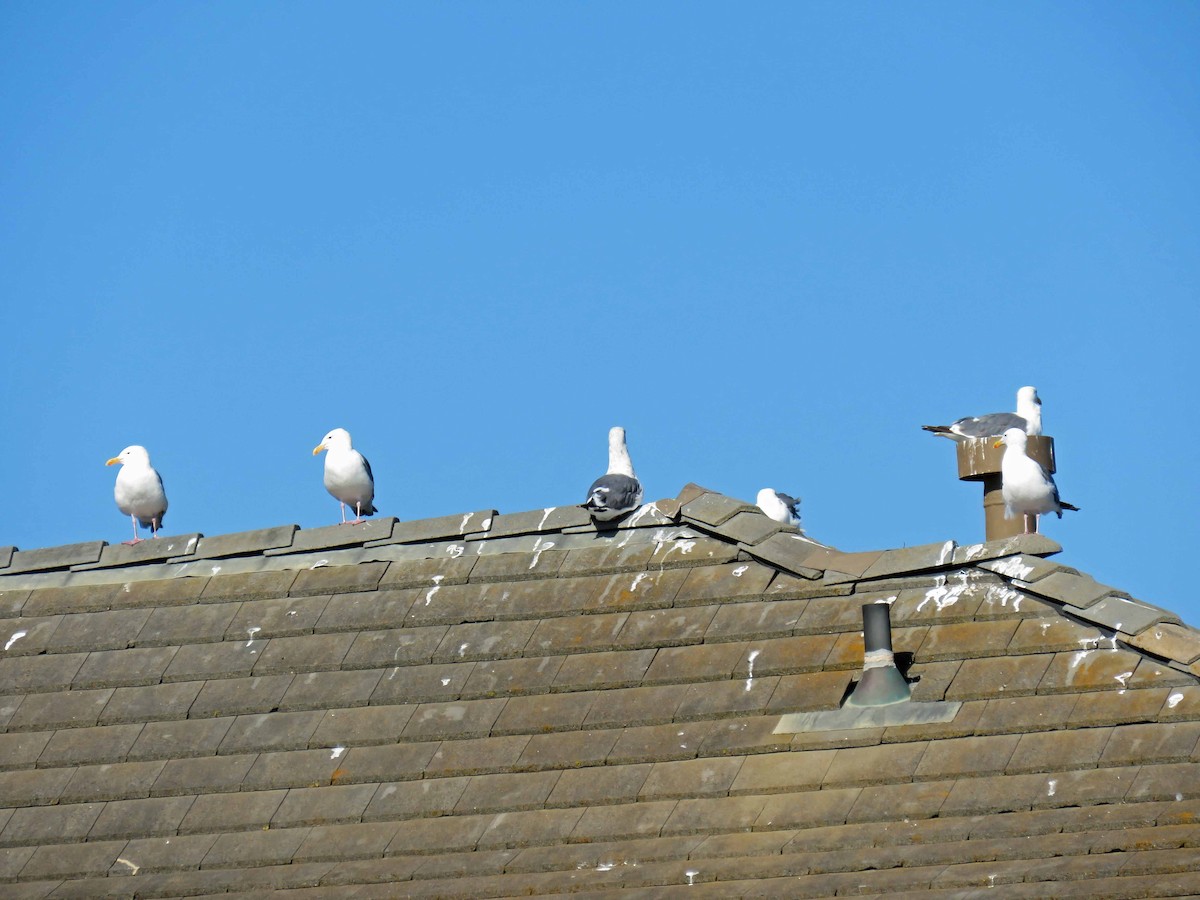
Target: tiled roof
[486, 705]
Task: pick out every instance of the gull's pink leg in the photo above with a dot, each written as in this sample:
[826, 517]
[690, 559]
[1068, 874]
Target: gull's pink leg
[136, 539]
[343, 506]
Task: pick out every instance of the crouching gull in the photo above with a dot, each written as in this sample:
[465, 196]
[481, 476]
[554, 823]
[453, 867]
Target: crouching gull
[1028, 418]
[618, 491]
[780, 507]
[1027, 488]
[347, 475]
[139, 490]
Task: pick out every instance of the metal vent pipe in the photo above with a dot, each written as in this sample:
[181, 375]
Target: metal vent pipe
[881, 683]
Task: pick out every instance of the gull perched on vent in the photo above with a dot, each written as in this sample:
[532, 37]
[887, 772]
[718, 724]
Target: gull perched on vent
[618, 491]
[780, 507]
[1027, 488]
[139, 490]
[347, 475]
[1028, 418]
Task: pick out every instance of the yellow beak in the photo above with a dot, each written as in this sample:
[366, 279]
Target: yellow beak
[114, 461]
[317, 449]
[998, 443]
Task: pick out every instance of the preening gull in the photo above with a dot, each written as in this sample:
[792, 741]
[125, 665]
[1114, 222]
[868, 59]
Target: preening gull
[1027, 488]
[139, 490]
[347, 475]
[618, 491]
[780, 507]
[1028, 418]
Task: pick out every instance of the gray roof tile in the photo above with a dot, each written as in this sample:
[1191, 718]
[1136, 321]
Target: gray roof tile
[242, 543]
[154, 550]
[54, 557]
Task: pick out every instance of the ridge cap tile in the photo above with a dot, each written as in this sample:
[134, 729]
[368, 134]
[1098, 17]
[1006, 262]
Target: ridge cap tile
[329, 537]
[714, 509]
[47, 559]
[1031, 544]
[152, 550]
[918, 558]
[241, 543]
[6, 555]
[454, 525]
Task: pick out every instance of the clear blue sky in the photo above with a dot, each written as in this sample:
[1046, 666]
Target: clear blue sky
[770, 239]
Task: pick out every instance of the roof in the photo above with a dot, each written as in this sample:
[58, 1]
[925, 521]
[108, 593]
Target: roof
[485, 705]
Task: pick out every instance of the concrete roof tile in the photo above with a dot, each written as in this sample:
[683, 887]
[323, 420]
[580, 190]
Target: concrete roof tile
[19, 675]
[265, 618]
[794, 552]
[242, 543]
[72, 709]
[20, 750]
[162, 740]
[1122, 614]
[48, 558]
[123, 668]
[158, 549]
[248, 586]
[234, 696]
[751, 527]
[452, 526]
[1170, 641]
[325, 690]
[148, 817]
[35, 787]
[567, 749]
[117, 781]
[303, 653]
[634, 706]
[48, 601]
[523, 829]
[332, 537]
[338, 579]
[484, 640]
[92, 858]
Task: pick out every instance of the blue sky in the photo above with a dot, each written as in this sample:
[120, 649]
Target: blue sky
[771, 240]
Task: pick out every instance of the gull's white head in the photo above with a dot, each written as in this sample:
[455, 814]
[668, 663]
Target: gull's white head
[338, 439]
[1013, 437]
[766, 496]
[1029, 407]
[135, 454]
[619, 462]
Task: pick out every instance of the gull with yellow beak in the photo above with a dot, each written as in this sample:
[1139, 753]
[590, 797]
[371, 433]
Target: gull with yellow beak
[139, 490]
[1027, 488]
[347, 475]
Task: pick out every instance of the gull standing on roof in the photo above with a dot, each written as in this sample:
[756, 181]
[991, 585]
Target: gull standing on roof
[618, 491]
[780, 507]
[347, 475]
[1028, 418]
[139, 490]
[1027, 488]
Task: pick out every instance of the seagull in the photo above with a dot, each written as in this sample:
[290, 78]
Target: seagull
[139, 491]
[1027, 488]
[347, 475]
[780, 507]
[619, 491]
[1028, 418]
